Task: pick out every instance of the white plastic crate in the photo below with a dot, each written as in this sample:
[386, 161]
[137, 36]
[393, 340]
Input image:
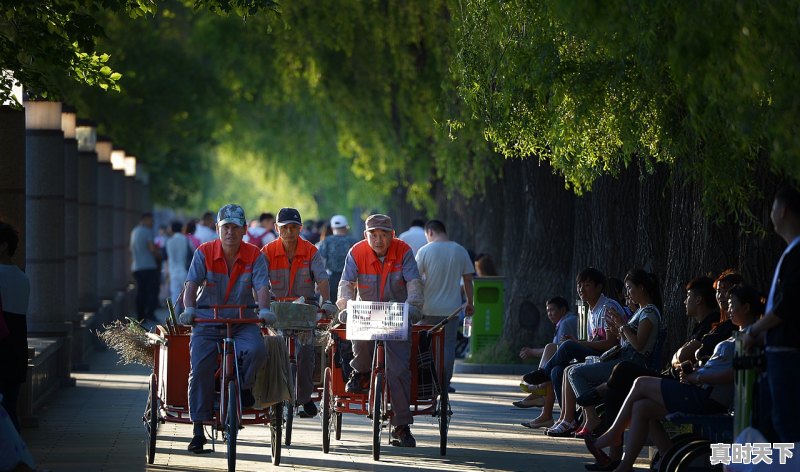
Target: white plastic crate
[370, 321]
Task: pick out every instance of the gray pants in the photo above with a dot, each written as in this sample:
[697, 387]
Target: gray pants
[250, 353]
[305, 371]
[450, 339]
[398, 374]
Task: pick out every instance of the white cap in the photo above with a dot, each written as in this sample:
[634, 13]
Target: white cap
[338, 221]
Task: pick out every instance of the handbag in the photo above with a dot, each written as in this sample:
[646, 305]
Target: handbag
[611, 353]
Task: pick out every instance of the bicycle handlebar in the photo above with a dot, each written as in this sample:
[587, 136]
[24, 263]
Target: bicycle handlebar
[229, 321]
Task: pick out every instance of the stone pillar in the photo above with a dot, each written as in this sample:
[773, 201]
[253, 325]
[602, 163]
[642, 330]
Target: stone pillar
[87, 217]
[119, 235]
[44, 189]
[12, 174]
[105, 200]
[70, 215]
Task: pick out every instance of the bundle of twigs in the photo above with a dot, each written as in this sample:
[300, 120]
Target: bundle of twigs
[131, 341]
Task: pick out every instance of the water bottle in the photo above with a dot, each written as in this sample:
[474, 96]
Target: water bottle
[467, 330]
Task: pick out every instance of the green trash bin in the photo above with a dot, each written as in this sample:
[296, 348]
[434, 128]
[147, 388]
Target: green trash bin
[489, 298]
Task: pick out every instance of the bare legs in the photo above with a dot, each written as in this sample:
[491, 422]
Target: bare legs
[641, 410]
[550, 397]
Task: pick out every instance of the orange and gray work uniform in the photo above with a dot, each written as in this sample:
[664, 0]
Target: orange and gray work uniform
[382, 280]
[294, 279]
[217, 287]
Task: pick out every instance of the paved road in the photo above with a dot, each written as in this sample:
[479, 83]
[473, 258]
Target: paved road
[96, 426]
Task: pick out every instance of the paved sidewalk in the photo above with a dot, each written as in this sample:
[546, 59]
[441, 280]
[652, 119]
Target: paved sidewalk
[96, 426]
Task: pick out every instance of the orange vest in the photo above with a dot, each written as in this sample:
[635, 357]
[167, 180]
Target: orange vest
[218, 288]
[381, 282]
[295, 279]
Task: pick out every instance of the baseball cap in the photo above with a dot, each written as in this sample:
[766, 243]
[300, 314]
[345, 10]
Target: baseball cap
[231, 213]
[379, 222]
[338, 221]
[287, 216]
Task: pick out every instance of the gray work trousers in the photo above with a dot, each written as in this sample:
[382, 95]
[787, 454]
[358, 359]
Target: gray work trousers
[251, 353]
[305, 371]
[398, 374]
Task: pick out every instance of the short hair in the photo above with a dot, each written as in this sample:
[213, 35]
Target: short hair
[704, 287]
[191, 227]
[177, 226]
[560, 302]
[615, 289]
[789, 196]
[484, 266]
[730, 276]
[417, 222]
[10, 236]
[590, 273]
[208, 215]
[266, 216]
[751, 295]
[436, 226]
[146, 214]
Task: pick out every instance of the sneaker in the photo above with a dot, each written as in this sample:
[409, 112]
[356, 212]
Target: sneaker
[197, 444]
[248, 400]
[536, 377]
[402, 437]
[358, 383]
[309, 410]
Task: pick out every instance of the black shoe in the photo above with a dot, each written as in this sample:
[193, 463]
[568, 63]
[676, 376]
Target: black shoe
[450, 389]
[402, 437]
[248, 400]
[309, 410]
[197, 444]
[358, 383]
[590, 398]
[536, 377]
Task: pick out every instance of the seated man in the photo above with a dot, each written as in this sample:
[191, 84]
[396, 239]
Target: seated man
[295, 268]
[382, 268]
[566, 328]
[591, 283]
[228, 272]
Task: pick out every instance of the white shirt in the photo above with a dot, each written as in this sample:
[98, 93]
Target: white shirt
[178, 255]
[442, 266]
[414, 237]
[204, 233]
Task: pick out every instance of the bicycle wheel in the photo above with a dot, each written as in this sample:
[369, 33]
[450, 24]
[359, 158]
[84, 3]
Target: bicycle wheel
[377, 420]
[327, 412]
[151, 419]
[275, 420]
[683, 455]
[290, 404]
[444, 421]
[232, 424]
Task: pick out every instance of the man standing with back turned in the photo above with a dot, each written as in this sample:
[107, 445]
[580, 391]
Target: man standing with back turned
[443, 264]
[382, 268]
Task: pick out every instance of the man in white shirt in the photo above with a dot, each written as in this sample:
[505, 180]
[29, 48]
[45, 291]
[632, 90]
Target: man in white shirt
[205, 231]
[178, 257]
[415, 236]
[443, 264]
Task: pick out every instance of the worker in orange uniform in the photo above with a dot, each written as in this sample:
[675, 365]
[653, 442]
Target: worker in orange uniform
[297, 270]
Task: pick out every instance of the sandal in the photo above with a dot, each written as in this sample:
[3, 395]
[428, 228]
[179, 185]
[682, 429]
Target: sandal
[562, 430]
[600, 456]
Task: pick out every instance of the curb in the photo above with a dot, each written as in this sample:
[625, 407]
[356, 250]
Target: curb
[493, 369]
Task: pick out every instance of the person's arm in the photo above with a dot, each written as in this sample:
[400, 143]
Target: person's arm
[701, 378]
[528, 352]
[685, 353]
[639, 338]
[470, 308]
[347, 284]
[190, 294]
[321, 276]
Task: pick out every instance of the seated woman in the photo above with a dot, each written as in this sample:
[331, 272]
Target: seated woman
[638, 338]
[706, 390]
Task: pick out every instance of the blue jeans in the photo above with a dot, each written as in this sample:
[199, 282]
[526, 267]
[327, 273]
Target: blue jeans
[566, 352]
[783, 372]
